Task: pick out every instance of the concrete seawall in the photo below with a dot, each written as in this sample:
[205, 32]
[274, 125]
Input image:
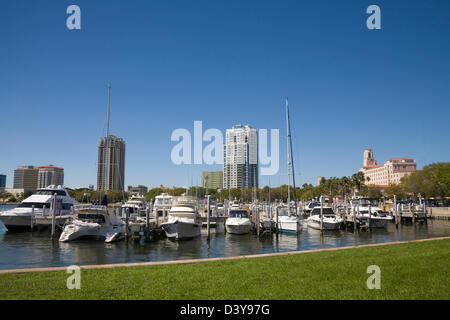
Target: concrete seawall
[441, 213]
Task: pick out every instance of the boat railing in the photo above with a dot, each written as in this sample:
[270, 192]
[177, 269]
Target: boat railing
[86, 207]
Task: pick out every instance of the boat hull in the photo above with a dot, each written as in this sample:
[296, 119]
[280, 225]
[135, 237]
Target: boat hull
[97, 233]
[314, 224]
[290, 226]
[16, 223]
[238, 228]
[181, 230]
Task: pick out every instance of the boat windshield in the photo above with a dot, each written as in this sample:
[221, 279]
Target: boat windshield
[365, 202]
[38, 205]
[238, 214]
[161, 202]
[326, 211]
[50, 192]
[283, 212]
[92, 217]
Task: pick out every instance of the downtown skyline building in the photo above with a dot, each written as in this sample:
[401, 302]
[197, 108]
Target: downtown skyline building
[111, 164]
[26, 177]
[50, 175]
[240, 154]
[2, 181]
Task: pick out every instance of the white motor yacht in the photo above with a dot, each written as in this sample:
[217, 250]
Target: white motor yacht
[330, 221]
[235, 205]
[20, 217]
[238, 222]
[137, 207]
[94, 221]
[287, 222]
[183, 221]
[161, 206]
[360, 208]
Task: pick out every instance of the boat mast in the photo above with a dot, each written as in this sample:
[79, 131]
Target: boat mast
[288, 155]
[292, 160]
[106, 140]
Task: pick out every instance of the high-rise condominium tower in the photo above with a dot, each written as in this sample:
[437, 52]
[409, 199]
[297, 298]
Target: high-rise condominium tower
[111, 163]
[240, 153]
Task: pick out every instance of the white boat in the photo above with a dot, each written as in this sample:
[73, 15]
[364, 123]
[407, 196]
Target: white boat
[183, 221]
[309, 206]
[361, 207]
[94, 221]
[330, 220]
[238, 222]
[137, 207]
[19, 218]
[287, 222]
[235, 205]
[161, 206]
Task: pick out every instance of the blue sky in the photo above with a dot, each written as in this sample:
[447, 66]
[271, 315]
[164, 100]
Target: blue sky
[222, 62]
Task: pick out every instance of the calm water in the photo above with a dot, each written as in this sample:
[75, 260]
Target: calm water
[27, 250]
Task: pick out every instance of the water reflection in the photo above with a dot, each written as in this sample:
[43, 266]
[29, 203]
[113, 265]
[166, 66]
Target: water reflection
[25, 250]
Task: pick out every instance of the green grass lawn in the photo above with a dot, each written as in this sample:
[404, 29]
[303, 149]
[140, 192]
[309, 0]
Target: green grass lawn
[408, 271]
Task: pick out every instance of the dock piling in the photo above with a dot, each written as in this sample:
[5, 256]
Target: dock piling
[32, 218]
[53, 215]
[208, 220]
[321, 213]
[127, 217]
[147, 223]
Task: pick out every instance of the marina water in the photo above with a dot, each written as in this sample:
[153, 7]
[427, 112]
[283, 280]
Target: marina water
[36, 249]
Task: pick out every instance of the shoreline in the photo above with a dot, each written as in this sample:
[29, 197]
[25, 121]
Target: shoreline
[203, 260]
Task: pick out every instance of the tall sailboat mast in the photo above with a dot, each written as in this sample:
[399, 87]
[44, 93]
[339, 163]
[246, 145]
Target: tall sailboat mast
[106, 140]
[288, 154]
[292, 159]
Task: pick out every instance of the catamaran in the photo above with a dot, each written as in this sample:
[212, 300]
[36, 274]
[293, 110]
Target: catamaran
[94, 222]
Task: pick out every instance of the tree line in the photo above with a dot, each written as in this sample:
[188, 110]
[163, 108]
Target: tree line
[433, 181]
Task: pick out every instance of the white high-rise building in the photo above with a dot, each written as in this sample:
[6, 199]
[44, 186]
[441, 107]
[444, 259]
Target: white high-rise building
[240, 154]
[111, 164]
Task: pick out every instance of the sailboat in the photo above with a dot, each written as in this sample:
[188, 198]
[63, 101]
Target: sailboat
[285, 220]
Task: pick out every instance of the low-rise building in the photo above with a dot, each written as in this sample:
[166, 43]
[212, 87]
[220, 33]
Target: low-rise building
[140, 189]
[212, 179]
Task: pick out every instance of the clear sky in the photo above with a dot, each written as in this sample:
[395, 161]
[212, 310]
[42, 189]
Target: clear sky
[225, 63]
